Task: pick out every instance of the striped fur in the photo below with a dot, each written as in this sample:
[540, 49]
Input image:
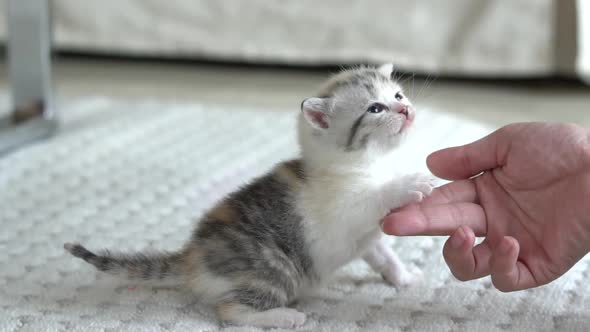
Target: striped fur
[137, 266]
[254, 238]
[265, 243]
[346, 97]
[353, 131]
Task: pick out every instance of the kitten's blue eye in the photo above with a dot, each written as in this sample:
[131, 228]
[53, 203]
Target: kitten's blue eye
[376, 108]
[399, 96]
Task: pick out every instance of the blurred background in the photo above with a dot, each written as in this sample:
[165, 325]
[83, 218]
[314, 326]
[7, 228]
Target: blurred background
[163, 107]
[495, 61]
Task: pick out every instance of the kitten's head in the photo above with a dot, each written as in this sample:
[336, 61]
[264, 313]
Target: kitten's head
[358, 110]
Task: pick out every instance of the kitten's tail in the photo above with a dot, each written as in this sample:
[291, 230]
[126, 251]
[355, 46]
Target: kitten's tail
[161, 267]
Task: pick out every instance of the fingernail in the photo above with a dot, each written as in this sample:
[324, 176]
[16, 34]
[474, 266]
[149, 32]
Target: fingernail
[458, 238]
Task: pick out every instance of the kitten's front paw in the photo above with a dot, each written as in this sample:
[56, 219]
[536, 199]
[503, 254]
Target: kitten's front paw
[418, 186]
[403, 278]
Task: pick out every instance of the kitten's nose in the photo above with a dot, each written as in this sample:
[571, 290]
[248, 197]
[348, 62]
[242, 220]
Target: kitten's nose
[402, 109]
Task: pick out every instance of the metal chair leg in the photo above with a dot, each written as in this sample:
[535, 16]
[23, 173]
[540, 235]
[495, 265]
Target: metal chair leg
[29, 63]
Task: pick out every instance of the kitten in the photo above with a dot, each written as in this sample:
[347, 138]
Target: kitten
[263, 246]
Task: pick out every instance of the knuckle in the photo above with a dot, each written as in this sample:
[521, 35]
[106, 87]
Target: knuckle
[503, 282]
[456, 215]
[465, 159]
[461, 276]
[502, 286]
[457, 268]
[445, 192]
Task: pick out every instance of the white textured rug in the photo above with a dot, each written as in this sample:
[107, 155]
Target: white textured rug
[133, 175]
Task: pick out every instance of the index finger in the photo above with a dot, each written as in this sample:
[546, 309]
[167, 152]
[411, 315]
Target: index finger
[453, 192]
[441, 219]
[448, 207]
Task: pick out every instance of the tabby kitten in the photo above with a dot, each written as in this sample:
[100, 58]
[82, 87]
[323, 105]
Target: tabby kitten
[266, 244]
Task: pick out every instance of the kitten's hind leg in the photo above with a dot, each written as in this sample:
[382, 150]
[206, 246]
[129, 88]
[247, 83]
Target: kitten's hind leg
[384, 260]
[240, 314]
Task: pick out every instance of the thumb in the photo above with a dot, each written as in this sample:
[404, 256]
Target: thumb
[465, 161]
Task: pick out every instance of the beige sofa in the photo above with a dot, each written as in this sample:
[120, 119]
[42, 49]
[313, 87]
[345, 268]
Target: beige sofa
[518, 38]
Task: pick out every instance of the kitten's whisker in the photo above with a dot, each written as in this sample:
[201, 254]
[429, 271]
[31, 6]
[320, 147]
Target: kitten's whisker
[425, 87]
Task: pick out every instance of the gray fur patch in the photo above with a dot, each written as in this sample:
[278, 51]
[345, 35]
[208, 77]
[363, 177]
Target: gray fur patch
[354, 79]
[353, 130]
[259, 298]
[133, 266]
[364, 141]
[296, 166]
[265, 244]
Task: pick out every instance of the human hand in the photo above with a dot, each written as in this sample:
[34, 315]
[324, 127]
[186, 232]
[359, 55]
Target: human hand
[532, 204]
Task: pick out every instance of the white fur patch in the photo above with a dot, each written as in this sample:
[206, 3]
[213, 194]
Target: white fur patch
[342, 211]
[286, 318]
[386, 69]
[209, 287]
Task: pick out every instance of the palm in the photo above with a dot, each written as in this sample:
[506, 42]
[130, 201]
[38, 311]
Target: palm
[525, 214]
[531, 195]
[534, 192]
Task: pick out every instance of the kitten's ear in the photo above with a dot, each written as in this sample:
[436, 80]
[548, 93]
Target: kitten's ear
[315, 111]
[386, 69]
